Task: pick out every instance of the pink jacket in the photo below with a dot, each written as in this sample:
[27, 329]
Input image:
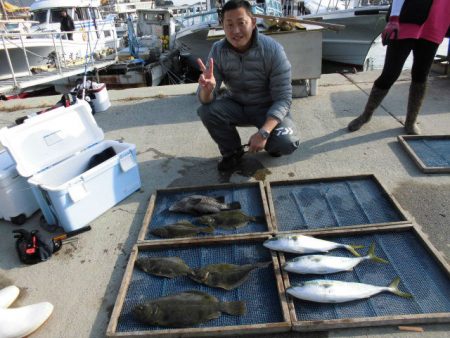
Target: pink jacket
[433, 29]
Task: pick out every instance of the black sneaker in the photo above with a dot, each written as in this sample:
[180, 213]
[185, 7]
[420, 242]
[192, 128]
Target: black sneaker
[230, 162]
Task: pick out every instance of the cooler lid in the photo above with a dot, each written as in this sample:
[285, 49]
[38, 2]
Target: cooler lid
[51, 137]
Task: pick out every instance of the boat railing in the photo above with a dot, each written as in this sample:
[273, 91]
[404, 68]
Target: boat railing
[320, 6]
[210, 16]
[18, 40]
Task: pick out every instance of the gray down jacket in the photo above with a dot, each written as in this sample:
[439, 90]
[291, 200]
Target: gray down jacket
[261, 76]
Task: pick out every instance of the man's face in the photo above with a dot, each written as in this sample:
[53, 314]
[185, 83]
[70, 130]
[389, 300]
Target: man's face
[238, 27]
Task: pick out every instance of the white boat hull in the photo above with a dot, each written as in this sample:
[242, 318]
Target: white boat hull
[351, 45]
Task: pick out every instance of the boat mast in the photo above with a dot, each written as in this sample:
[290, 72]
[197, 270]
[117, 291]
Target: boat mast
[5, 14]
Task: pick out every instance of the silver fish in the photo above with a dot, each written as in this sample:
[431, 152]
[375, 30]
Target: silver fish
[185, 309]
[302, 244]
[333, 291]
[321, 264]
[201, 205]
[169, 267]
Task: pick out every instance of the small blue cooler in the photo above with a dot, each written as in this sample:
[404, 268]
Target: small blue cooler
[54, 150]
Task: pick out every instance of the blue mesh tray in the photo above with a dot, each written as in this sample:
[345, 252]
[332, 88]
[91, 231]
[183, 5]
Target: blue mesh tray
[331, 202]
[430, 153]
[250, 195]
[263, 292]
[422, 272]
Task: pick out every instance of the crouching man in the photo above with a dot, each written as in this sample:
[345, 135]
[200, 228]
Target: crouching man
[257, 76]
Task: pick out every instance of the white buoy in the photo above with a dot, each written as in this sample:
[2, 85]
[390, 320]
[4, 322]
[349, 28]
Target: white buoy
[22, 321]
[8, 295]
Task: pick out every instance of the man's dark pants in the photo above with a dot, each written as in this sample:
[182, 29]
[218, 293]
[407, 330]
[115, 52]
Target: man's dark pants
[223, 115]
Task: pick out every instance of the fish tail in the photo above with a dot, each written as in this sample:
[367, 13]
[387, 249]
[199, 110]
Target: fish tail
[258, 219]
[234, 205]
[396, 291]
[234, 308]
[352, 248]
[263, 264]
[374, 257]
[208, 229]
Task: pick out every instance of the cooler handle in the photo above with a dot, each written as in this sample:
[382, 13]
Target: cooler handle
[77, 191]
[127, 161]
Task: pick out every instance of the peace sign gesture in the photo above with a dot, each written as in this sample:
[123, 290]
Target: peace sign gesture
[206, 80]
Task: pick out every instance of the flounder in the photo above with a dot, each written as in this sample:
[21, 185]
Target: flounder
[185, 309]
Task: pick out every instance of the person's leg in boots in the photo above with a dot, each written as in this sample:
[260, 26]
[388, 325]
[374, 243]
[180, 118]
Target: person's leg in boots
[396, 54]
[220, 119]
[424, 52]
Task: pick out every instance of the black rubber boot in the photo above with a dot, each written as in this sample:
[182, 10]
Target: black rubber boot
[231, 161]
[376, 96]
[415, 100]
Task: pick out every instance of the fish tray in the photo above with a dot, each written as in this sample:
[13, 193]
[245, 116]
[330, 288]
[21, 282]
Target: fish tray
[334, 202]
[251, 196]
[423, 273]
[431, 153]
[263, 292]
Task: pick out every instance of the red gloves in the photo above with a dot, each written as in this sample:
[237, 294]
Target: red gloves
[391, 30]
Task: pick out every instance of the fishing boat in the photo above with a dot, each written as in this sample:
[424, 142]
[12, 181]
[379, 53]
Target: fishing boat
[44, 46]
[364, 21]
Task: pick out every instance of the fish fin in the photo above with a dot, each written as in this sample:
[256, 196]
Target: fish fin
[233, 308]
[374, 257]
[234, 205]
[396, 291]
[352, 248]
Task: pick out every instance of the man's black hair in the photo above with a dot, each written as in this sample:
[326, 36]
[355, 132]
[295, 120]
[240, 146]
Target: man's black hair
[235, 4]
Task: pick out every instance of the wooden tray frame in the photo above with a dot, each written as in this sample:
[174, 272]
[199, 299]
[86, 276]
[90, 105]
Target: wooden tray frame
[390, 197]
[321, 325]
[151, 208]
[284, 326]
[403, 139]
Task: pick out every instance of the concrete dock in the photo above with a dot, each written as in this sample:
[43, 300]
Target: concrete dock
[175, 150]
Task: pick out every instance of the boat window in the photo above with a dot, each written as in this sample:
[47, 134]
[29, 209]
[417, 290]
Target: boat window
[78, 14]
[55, 14]
[40, 16]
[107, 34]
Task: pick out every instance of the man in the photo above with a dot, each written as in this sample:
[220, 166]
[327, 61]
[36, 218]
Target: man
[67, 24]
[257, 75]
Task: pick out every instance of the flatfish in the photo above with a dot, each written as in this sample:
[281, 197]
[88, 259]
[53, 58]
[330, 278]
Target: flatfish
[185, 309]
[181, 229]
[201, 205]
[302, 244]
[333, 291]
[322, 264]
[169, 267]
[225, 276]
[231, 219]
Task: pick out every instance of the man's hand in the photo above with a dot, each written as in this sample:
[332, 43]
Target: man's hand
[391, 30]
[206, 80]
[256, 143]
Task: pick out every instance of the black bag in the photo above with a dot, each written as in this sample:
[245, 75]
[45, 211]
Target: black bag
[415, 11]
[33, 248]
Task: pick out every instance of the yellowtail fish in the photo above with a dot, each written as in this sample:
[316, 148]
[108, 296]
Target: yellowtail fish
[333, 291]
[302, 244]
[321, 264]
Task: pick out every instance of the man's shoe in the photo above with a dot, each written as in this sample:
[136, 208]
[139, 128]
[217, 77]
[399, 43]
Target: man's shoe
[230, 162]
[275, 154]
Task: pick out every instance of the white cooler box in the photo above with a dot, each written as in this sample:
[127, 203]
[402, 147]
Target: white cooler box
[17, 201]
[54, 150]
